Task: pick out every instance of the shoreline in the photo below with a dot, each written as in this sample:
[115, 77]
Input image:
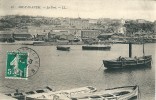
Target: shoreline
[37, 43]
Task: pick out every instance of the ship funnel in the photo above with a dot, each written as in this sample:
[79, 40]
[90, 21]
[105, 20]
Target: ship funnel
[130, 50]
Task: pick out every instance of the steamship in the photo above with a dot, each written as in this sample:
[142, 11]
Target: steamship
[129, 62]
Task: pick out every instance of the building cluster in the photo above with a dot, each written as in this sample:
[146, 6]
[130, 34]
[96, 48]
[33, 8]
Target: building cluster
[49, 35]
[53, 29]
[6, 36]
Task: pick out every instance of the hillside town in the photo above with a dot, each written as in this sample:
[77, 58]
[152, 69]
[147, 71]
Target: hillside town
[75, 30]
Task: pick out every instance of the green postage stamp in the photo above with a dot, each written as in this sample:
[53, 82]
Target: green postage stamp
[17, 65]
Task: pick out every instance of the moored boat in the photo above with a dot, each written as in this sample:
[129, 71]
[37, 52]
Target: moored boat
[5, 97]
[63, 94]
[118, 93]
[126, 62]
[22, 95]
[63, 48]
[96, 47]
[129, 62]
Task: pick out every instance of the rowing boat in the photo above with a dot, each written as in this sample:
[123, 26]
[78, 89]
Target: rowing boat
[62, 94]
[117, 93]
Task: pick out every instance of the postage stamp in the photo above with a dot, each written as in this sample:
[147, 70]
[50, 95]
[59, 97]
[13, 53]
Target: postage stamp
[17, 65]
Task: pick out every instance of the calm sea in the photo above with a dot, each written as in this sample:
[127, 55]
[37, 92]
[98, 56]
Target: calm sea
[77, 68]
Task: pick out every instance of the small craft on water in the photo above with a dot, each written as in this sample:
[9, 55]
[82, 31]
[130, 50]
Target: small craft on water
[118, 93]
[63, 94]
[96, 47]
[129, 62]
[22, 95]
[63, 48]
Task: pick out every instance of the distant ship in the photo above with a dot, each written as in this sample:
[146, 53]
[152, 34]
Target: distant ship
[129, 62]
[63, 48]
[96, 47]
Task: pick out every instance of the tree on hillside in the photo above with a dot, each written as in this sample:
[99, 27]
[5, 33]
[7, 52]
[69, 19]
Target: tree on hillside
[133, 27]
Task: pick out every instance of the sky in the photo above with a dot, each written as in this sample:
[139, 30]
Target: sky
[115, 9]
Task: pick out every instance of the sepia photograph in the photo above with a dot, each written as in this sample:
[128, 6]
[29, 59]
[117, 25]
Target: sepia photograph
[77, 49]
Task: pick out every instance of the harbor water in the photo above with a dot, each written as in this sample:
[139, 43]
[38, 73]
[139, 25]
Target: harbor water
[77, 68]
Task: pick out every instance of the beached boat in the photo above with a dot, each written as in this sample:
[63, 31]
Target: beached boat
[5, 97]
[96, 47]
[129, 62]
[64, 94]
[22, 95]
[118, 93]
[63, 48]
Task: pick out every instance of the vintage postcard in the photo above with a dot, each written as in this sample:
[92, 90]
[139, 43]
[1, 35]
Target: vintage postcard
[77, 49]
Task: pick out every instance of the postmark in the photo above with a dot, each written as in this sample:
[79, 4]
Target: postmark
[17, 65]
[33, 60]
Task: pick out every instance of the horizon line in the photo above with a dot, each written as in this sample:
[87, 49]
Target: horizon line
[79, 17]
